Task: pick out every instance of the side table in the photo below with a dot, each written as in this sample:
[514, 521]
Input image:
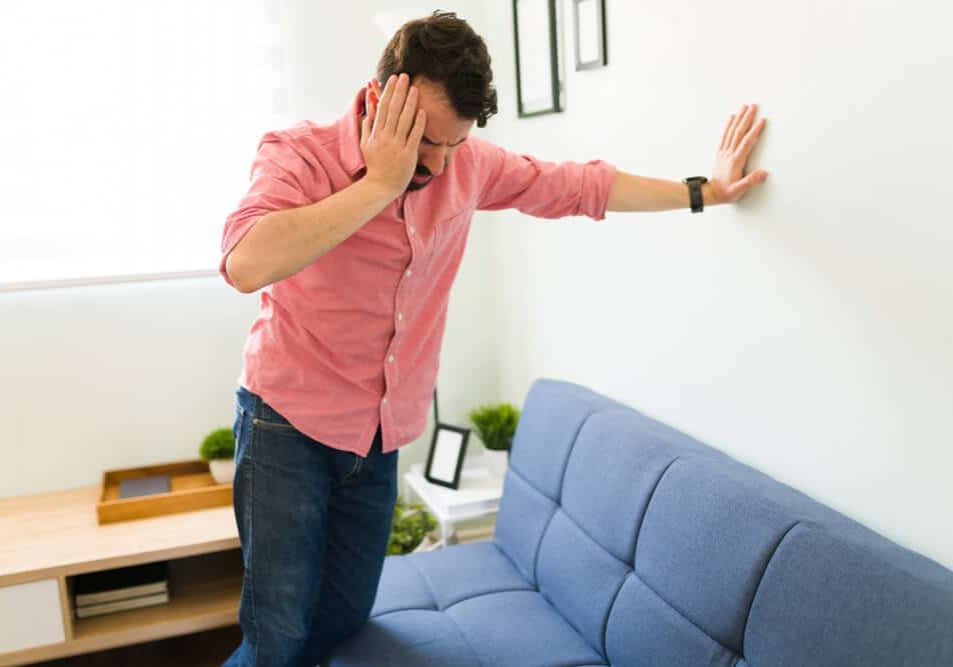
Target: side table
[481, 488]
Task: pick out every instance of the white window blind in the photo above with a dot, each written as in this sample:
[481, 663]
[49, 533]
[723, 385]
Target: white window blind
[127, 130]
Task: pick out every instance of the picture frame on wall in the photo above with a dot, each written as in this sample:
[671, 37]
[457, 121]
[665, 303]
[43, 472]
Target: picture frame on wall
[447, 451]
[589, 18]
[535, 31]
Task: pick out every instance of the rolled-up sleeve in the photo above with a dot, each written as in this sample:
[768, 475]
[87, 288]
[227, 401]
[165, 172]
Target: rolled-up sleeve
[280, 179]
[539, 188]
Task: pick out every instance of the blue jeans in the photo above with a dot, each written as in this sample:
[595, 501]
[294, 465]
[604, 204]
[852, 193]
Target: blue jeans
[314, 523]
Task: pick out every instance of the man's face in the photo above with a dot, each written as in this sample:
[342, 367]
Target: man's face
[443, 134]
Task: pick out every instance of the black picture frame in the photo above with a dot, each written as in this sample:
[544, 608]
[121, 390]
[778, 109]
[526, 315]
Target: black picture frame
[528, 78]
[591, 30]
[448, 447]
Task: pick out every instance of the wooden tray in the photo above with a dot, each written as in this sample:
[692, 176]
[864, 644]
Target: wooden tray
[191, 488]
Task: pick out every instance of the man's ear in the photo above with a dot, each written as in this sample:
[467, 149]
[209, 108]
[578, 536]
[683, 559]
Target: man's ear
[374, 88]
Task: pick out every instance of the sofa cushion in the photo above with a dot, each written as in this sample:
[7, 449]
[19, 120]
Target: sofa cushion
[415, 637]
[521, 629]
[830, 600]
[610, 476]
[580, 577]
[705, 541]
[402, 586]
[549, 422]
[438, 579]
[525, 513]
[554, 415]
[463, 605]
[507, 629]
[587, 549]
[645, 631]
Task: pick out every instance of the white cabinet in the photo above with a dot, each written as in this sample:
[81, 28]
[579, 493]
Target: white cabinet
[30, 615]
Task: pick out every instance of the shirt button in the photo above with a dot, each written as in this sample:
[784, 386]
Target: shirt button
[409, 272]
[411, 231]
[400, 316]
[384, 400]
[391, 358]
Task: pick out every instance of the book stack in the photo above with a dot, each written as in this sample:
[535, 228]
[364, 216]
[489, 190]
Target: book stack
[123, 588]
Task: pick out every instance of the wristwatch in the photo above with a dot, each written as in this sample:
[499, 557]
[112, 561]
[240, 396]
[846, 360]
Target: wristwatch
[694, 184]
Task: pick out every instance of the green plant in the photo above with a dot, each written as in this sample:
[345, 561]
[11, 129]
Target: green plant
[219, 444]
[411, 523]
[495, 424]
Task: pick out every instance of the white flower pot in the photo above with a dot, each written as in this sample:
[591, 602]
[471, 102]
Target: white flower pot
[497, 459]
[223, 470]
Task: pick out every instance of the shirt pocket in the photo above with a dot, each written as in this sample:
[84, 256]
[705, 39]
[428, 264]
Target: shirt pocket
[450, 235]
[452, 231]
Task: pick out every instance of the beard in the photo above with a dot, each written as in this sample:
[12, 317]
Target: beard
[420, 171]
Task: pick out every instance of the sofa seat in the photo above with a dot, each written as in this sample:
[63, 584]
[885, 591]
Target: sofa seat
[463, 606]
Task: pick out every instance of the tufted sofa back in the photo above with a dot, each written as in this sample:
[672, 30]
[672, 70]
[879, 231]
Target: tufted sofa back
[661, 550]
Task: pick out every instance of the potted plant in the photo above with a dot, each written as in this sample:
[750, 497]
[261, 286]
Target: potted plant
[495, 424]
[411, 524]
[218, 449]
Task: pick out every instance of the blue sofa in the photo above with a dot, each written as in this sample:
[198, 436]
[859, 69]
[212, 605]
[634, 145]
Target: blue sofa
[621, 541]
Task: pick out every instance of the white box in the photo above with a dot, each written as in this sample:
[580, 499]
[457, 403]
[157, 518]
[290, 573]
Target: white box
[30, 615]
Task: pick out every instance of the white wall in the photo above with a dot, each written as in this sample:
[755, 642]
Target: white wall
[109, 376]
[806, 331]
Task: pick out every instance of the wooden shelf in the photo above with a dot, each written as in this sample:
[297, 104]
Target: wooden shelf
[203, 593]
[48, 539]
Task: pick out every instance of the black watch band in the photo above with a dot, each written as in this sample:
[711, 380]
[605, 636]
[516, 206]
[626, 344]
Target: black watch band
[694, 184]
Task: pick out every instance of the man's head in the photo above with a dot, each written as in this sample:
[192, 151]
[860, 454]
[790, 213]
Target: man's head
[450, 66]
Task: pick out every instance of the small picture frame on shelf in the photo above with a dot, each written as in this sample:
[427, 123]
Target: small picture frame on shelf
[590, 27]
[445, 460]
[535, 31]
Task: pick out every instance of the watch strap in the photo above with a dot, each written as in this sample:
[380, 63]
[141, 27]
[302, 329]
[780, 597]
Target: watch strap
[695, 192]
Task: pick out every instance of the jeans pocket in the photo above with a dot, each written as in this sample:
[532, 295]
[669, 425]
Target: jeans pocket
[269, 419]
[272, 425]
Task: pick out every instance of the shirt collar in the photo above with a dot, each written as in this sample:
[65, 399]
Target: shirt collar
[349, 134]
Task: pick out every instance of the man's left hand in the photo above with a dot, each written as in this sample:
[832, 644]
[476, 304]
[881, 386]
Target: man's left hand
[728, 183]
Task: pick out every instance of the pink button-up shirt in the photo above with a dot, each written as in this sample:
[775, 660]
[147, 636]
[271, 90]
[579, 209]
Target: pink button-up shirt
[352, 342]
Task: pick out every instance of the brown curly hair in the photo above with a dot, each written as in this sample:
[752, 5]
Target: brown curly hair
[444, 49]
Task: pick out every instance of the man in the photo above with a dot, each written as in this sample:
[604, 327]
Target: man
[354, 232]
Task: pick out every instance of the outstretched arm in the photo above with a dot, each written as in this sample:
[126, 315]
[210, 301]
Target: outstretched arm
[728, 183]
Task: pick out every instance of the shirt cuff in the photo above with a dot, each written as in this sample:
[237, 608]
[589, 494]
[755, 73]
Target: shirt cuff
[597, 180]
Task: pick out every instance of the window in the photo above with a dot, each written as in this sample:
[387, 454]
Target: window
[127, 131]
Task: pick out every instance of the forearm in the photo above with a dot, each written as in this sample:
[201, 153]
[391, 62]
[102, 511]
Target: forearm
[282, 243]
[640, 193]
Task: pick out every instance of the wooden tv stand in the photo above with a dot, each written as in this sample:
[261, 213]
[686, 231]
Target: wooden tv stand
[47, 539]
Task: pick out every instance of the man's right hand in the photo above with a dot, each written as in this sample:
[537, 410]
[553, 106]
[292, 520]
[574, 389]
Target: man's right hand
[391, 133]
